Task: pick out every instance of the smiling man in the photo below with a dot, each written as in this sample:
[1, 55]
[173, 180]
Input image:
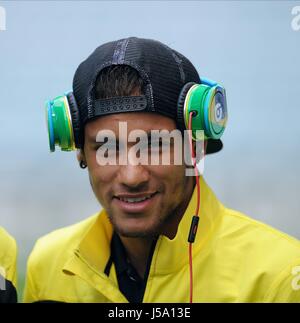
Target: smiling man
[139, 247]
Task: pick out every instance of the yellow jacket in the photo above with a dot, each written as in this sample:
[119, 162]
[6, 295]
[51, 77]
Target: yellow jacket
[235, 259]
[8, 273]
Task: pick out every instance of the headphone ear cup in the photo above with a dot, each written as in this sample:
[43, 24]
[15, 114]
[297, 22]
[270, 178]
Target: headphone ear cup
[74, 111]
[180, 105]
[215, 112]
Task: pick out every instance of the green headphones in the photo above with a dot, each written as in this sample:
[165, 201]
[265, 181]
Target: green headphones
[207, 101]
[63, 122]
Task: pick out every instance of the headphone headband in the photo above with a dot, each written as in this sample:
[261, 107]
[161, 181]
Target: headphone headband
[207, 101]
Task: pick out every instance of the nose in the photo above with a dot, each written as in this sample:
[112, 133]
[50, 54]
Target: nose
[134, 176]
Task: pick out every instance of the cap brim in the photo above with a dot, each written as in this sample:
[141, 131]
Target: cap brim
[213, 146]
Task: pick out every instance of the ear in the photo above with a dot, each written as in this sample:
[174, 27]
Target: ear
[80, 155]
[81, 158]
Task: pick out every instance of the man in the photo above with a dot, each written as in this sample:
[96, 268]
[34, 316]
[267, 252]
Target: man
[8, 278]
[136, 249]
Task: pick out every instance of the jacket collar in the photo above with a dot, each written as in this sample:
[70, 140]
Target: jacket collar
[92, 254]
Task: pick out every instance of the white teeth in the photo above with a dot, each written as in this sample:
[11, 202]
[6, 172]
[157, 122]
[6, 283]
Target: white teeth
[135, 200]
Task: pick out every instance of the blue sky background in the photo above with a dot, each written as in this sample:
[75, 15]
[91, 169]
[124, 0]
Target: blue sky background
[250, 47]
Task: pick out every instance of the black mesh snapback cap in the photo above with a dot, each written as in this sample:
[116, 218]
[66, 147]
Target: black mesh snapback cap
[163, 70]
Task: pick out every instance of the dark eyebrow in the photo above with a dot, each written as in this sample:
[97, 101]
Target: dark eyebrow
[106, 138]
[92, 137]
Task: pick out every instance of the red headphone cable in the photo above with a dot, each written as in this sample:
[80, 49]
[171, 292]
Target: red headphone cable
[195, 220]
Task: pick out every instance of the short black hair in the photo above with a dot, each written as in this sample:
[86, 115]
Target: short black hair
[118, 80]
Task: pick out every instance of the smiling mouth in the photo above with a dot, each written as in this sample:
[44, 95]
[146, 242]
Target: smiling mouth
[136, 199]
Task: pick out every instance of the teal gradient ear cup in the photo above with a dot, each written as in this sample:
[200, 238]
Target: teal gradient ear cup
[63, 123]
[207, 101]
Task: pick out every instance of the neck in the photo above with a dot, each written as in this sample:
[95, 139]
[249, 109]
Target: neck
[138, 249]
[171, 227]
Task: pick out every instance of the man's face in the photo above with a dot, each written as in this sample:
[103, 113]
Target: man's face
[140, 200]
